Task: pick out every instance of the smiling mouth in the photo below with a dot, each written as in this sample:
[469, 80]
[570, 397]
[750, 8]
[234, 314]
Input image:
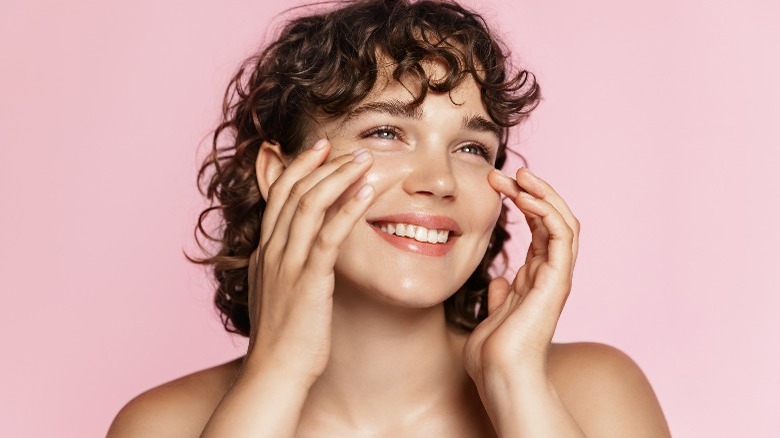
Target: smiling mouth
[415, 232]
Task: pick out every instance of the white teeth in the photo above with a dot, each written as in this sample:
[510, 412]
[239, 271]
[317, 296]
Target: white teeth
[416, 232]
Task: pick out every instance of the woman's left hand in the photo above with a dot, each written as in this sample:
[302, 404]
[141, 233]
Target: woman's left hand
[514, 340]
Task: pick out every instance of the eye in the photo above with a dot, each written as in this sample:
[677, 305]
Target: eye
[477, 149]
[383, 133]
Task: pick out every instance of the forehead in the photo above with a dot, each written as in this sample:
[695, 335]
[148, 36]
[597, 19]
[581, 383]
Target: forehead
[395, 97]
[392, 97]
[409, 87]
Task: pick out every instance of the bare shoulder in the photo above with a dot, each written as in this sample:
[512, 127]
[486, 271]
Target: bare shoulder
[179, 408]
[606, 391]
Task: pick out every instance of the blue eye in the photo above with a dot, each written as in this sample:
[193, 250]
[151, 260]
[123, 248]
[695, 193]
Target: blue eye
[383, 133]
[476, 149]
[472, 149]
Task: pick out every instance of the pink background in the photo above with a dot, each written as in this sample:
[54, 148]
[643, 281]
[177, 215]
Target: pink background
[659, 127]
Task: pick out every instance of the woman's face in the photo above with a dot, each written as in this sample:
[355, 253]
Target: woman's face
[430, 175]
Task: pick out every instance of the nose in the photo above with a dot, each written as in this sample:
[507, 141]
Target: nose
[429, 173]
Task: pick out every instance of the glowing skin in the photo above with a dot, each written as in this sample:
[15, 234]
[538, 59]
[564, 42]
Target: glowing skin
[394, 367]
[429, 165]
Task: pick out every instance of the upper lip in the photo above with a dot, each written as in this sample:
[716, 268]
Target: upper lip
[429, 221]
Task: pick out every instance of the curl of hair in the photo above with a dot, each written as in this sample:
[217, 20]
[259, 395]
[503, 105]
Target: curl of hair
[326, 63]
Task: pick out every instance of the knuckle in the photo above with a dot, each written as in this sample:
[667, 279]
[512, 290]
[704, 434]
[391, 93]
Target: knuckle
[568, 233]
[298, 189]
[350, 208]
[288, 270]
[325, 241]
[271, 251]
[307, 203]
[274, 189]
[577, 226]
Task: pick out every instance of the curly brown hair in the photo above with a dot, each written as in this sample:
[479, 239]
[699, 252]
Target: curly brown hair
[326, 63]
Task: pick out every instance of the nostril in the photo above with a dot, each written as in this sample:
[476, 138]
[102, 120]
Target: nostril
[432, 180]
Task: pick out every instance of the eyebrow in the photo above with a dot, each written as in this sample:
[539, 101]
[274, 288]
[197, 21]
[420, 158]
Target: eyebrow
[391, 107]
[481, 124]
[397, 108]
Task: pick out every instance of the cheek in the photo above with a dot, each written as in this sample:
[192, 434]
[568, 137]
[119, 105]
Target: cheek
[390, 165]
[374, 176]
[494, 208]
[483, 202]
[383, 174]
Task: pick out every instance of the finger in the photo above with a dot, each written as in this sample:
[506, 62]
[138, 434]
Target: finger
[498, 290]
[504, 184]
[551, 283]
[324, 250]
[308, 216]
[279, 229]
[540, 236]
[509, 187]
[542, 306]
[559, 242]
[542, 189]
[302, 165]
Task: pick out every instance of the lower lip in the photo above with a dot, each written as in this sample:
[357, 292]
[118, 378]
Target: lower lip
[417, 247]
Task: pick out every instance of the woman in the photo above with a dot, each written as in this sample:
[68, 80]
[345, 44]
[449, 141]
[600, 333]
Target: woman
[362, 208]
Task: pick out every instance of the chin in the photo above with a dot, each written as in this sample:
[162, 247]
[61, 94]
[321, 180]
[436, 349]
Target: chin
[410, 285]
[411, 291]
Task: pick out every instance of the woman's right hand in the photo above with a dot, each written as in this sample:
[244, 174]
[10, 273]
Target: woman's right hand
[291, 273]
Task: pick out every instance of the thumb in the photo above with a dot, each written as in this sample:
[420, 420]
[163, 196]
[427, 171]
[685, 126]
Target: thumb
[498, 290]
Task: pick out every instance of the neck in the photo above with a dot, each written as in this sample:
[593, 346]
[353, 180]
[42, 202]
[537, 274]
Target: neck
[389, 364]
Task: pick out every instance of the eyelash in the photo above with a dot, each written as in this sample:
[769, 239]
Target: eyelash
[392, 129]
[481, 150]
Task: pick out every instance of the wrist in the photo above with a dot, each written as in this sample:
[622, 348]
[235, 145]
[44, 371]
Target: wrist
[528, 404]
[519, 379]
[518, 389]
[274, 372]
[264, 400]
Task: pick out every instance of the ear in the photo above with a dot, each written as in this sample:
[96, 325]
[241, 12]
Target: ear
[269, 165]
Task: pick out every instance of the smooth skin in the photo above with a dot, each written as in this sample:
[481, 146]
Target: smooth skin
[330, 359]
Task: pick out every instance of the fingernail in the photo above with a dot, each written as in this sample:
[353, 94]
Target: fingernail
[361, 155]
[502, 174]
[365, 191]
[320, 144]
